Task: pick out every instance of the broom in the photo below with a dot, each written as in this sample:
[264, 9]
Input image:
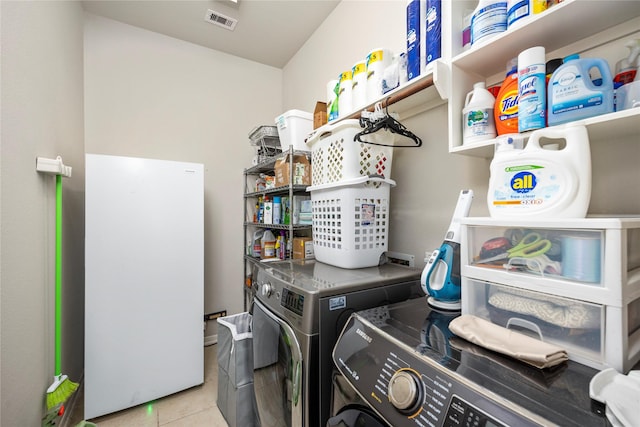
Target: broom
[62, 388]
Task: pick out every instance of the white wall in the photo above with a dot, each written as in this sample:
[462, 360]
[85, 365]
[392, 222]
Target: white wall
[41, 117]
[428, 178]
[148, 95]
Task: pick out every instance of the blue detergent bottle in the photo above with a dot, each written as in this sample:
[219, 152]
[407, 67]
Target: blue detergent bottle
[573, 95]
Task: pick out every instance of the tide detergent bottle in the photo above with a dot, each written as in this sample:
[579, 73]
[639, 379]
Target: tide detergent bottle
[539, 180]
[506, 106]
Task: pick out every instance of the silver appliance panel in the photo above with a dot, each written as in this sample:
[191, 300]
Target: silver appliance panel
[293, 288]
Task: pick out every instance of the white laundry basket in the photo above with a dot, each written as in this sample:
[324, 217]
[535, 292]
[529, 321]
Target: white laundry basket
[336, 156]
[351, 221]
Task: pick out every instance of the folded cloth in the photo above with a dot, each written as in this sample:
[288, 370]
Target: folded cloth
[511, 343]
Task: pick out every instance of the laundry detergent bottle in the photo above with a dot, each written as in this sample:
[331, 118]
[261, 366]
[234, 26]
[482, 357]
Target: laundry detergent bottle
[540, 181]
[505, 111]
[573, 95]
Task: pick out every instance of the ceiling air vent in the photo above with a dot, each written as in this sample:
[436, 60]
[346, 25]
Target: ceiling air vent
[221, 20]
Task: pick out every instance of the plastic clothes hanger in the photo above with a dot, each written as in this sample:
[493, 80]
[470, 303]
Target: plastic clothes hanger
[373, 122]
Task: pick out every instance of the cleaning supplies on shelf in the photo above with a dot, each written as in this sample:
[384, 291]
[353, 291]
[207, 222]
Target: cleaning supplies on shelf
[541, 181]
[268, 245]
[572, 93]
[506, 106]
[488, 20]
[477, 116]
[277, 210]
[519, 10]
[256, 243]
[626, 68]
[532, 98]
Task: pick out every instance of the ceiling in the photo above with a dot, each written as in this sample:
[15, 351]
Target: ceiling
[268, 31]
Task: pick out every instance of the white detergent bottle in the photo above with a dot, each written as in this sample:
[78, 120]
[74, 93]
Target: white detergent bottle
[542, 182]
[477, 115]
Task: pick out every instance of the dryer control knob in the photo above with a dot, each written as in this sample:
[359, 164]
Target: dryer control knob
[405, 392]
[266, 289]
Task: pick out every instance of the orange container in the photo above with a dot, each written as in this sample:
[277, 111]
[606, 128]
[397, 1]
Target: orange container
[505, 111]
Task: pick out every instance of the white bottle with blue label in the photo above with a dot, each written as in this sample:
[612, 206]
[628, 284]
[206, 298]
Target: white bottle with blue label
[532, 97]
[488, 20]
[539, 181]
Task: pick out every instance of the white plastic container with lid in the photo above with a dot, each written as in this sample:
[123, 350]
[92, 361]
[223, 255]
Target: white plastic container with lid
[477, 116]
[542, 182]
[488, 20]
[293, 127]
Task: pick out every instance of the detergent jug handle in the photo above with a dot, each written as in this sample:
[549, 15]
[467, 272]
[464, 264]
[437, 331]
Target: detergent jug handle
[568, 133]
[467, 98]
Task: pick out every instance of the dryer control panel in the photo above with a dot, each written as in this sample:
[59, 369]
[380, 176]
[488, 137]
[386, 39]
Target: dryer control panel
[411, 382]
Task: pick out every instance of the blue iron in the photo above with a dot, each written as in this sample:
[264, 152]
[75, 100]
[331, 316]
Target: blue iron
[440, 278]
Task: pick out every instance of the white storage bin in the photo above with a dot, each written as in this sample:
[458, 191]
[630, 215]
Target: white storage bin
[591, 259]
[336, 156]
[592, 334]
[293, 128]
[351, 222]
[615, 292]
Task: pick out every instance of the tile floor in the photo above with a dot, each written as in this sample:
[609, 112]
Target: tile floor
[193, 407]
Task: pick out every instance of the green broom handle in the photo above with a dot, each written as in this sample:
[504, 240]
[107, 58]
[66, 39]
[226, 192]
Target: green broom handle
[58, 303]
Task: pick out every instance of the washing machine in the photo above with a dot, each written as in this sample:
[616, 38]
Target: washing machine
[407, 369]
[299, 310]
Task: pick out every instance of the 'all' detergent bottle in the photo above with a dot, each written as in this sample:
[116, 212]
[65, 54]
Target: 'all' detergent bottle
[540, 181]
[506, 107]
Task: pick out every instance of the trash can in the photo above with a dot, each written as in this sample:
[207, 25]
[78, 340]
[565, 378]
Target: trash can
[236, 398]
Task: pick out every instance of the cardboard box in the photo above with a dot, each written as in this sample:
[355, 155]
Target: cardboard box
[301, 171]
[302, 248]
[320, 115]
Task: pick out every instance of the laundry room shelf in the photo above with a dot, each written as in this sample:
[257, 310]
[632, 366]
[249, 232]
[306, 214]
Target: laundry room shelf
[251, 197]
[416, 96]
[562, 31]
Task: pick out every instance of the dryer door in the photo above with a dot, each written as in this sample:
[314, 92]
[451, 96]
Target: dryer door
[277, 373]
[356, 416]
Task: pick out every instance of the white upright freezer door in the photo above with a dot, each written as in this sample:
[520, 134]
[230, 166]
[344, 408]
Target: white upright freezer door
[144, 279]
